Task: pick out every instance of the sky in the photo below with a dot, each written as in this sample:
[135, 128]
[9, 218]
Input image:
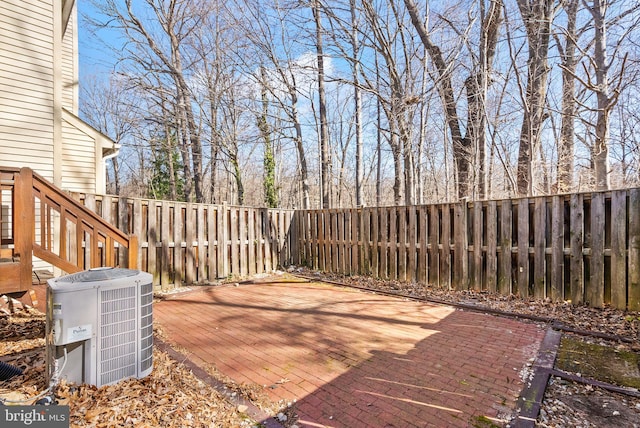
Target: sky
[96, 60]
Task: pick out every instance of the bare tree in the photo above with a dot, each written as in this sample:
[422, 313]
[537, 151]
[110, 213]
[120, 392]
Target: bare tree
[162, 47]
[569, 63]
[324, 131]
[476, 86]
[109, 108]
[262, 31]
[537, 16]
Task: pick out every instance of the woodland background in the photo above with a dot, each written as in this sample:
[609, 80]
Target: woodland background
[343, 103]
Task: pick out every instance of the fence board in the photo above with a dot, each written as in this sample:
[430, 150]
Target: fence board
[354, 242]
[523, 247]
[315, 248]
[577, 259]
[539, 246]
[178, 240]
[373, 241]
[190, 236]
[460, 247]
[383, 243]
[633, 302]
[166, 260]
[401, 228]
[321, 238]
[434, 239]
[476, 276]
[336, 240]
[251, 242]
[492, 242]
[594, 290]
[326, 219]
[557, 249]
[391, 217]
[152, 239]
[445, 253]
[413, 235]
[422, 262]
[506, 237]
[201, 250]
[210, 236]
[619, 249]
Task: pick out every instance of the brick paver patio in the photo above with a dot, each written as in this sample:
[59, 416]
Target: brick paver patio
[356, 359]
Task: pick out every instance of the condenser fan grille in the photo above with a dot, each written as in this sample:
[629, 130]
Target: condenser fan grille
[118, 333]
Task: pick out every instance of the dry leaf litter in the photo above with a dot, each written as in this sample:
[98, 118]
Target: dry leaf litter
[171, 396]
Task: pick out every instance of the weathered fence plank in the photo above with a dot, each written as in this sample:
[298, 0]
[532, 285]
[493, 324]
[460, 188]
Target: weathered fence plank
[445, 242]
[492, 243]
[619, 249]
[373, 238]
[557, 249]
[594, 290]
[422, 256]
[577, 259]
[506, 236]
[413, 234]
[523, 247]
[434, 239]
[539, 245]
[460, 247]
[633, 300]
[476, 278]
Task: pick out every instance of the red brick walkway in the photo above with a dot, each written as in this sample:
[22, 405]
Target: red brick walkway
[356, 359]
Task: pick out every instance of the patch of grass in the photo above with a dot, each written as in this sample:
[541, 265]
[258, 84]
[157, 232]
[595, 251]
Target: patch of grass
[599, 362]
[483, 422]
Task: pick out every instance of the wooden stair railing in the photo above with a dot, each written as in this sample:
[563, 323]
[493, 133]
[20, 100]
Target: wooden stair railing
[44, 221]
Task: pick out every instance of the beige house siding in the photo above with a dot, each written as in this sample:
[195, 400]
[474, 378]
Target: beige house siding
[70, 65]
[83, 155]
[78, 159]
[26, 79]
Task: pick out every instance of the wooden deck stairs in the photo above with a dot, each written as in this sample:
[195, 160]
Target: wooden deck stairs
[39, 220]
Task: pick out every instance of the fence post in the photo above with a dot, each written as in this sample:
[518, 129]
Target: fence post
[133, 252]
[24, 219]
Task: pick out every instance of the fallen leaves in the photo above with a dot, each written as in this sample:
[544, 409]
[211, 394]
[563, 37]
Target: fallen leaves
[171, 396]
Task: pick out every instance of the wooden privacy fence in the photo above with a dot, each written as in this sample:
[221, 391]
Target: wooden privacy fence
[186, 243]
[581, 247]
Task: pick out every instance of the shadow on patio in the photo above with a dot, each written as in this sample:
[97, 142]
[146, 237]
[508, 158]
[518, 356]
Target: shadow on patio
[355, 359]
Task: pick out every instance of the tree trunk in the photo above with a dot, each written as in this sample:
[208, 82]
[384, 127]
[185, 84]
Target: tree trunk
[270, 188]
[358, 103]
[537, 16]
[474, 141]
[567, 127]
[304, 170]
[324, 131]
[605, 102]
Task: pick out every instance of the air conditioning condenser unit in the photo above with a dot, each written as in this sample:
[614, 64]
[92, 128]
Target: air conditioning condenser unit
[100, 326]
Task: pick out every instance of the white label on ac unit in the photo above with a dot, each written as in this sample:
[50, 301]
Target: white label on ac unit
[80, 332]
[57, 309]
